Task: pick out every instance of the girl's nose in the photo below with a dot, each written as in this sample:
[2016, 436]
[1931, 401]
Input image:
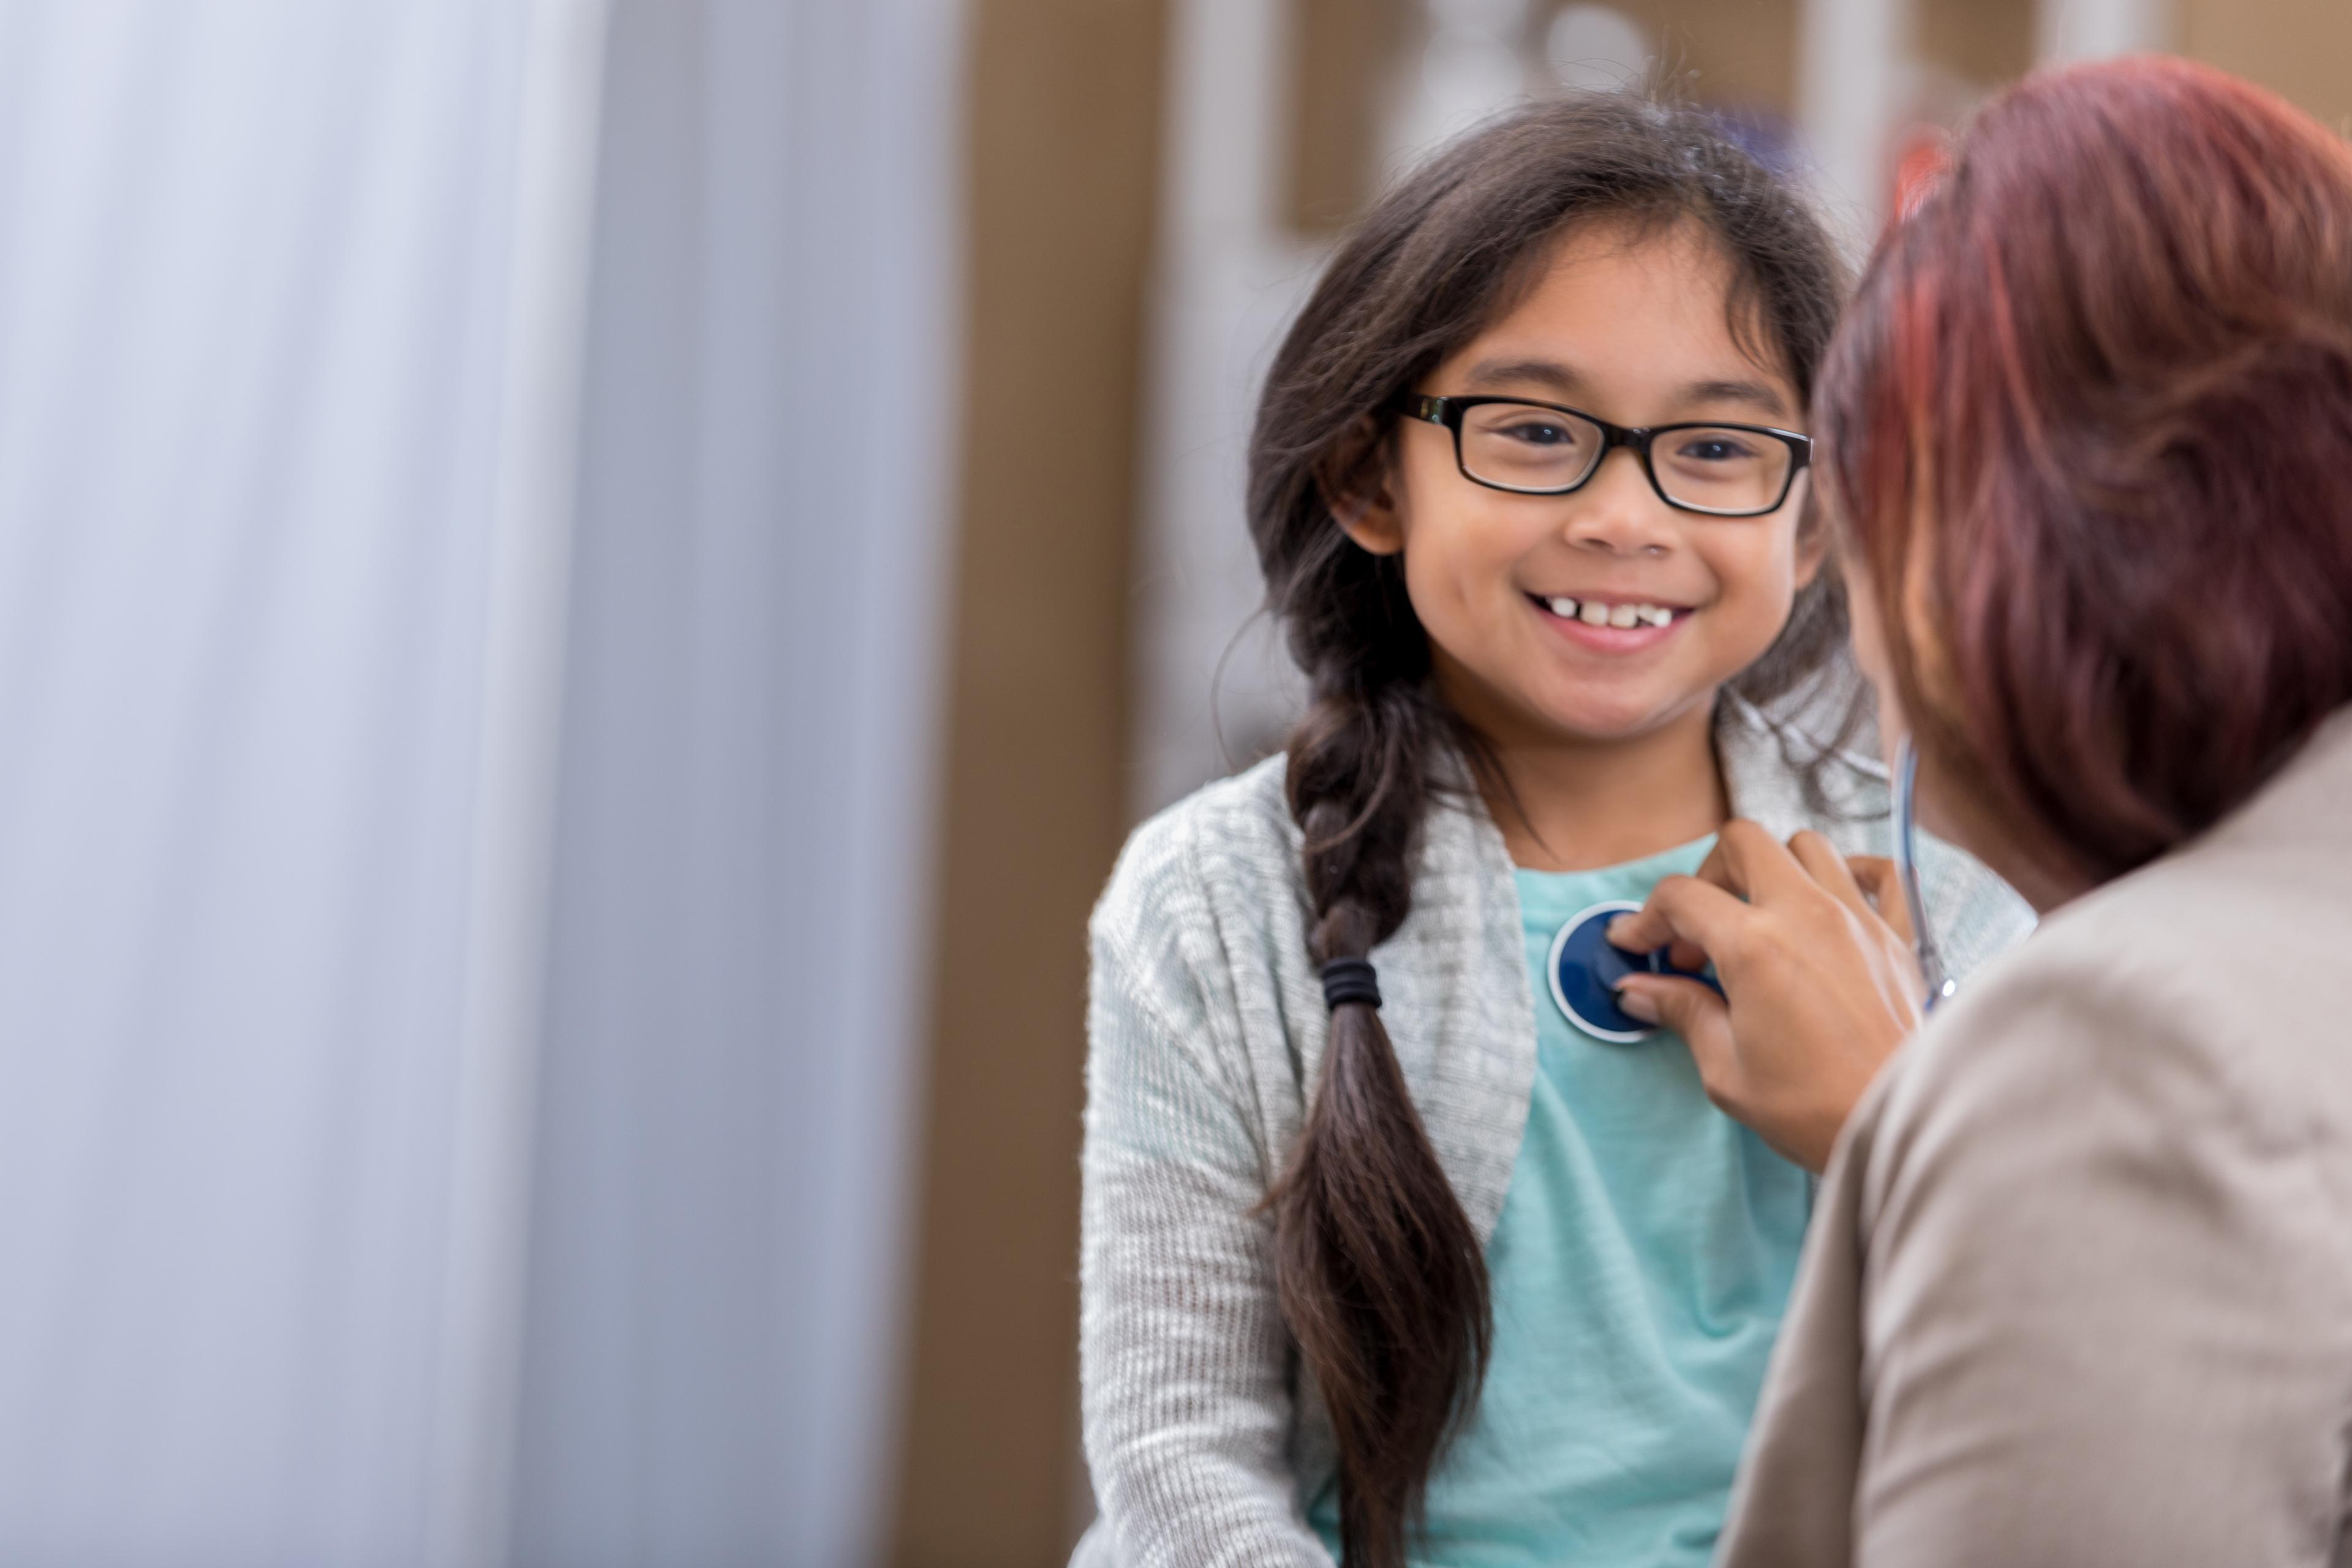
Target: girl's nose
[1617, 512]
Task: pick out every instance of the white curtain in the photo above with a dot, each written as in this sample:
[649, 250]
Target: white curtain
[452, 1017]
[739, 957]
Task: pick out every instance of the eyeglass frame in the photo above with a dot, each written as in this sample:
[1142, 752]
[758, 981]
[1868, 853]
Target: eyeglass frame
[1447, 412]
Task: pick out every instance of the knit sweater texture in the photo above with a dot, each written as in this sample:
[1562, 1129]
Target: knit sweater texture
[1206, 1029]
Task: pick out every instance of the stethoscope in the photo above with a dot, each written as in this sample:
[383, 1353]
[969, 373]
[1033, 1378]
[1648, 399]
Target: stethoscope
[1940, 985]
[1585, 966]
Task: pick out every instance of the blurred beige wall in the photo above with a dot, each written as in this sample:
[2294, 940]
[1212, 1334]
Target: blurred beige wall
[1740, 53]
[1987, 42]
[2301, 50]
[1062, 166]
[1348, 58]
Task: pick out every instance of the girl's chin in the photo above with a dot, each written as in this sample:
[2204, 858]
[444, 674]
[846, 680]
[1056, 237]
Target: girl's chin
[1577, 710]
[1604, 724]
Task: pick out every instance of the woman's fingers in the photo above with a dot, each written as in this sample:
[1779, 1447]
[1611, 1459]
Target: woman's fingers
[1875, 874]
[1760, 867]
[1746, 864]
[1699, 913]
[1695, 1013]
[1828, 869]
[1682, 911]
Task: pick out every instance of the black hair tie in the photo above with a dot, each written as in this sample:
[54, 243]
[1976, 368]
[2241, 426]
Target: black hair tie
[1350, 980]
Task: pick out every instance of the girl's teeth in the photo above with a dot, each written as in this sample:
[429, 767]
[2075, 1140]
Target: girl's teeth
[1599, 615]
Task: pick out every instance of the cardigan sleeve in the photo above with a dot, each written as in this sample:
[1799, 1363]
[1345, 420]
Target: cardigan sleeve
[2103, 1316]
[1184, 1358]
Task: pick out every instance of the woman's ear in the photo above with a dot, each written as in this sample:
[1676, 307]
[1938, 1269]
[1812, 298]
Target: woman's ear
[1813, 550]
[1358, 490]
[1814, 532]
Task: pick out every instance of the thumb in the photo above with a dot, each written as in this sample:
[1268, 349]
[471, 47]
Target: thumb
[1693, 1011]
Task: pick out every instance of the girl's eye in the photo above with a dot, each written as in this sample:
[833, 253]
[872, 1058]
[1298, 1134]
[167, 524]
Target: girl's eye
[1540, 434]
[1714, 447]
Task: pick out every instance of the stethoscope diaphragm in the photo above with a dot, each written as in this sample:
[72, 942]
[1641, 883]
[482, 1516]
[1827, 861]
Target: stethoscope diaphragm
[1585, 967]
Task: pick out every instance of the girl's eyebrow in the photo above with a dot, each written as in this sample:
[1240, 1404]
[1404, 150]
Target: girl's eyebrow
[1545, 373]
[1564, 380]
[1756, 394]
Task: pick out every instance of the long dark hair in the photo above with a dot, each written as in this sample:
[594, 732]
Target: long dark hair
[1381, 1277]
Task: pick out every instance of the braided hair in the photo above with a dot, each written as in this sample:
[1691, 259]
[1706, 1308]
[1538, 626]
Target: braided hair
[1382, 1278]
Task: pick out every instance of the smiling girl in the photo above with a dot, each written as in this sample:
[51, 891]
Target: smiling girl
[1386, 1257]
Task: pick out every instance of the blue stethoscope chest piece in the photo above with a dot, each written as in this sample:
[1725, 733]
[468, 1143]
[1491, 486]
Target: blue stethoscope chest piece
[1585, 967]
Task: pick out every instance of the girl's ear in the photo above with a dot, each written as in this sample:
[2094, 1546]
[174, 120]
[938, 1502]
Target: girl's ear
[1358, 489]
[1372, 522]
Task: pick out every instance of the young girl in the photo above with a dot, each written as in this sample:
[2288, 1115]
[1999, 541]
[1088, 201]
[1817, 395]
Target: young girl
[1392, 1260]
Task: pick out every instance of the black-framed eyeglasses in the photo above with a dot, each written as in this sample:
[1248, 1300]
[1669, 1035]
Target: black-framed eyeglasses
[1545, 449]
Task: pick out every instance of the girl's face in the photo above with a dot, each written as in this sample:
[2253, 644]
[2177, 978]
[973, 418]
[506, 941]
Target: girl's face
[1630, 326]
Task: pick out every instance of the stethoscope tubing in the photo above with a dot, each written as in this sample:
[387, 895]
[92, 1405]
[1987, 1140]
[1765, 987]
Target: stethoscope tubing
[1940, 985]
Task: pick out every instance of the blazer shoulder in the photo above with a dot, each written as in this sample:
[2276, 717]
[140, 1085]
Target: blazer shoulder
[2135, 1015]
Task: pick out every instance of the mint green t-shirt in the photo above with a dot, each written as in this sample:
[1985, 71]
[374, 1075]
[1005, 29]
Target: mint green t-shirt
[1639, 1272]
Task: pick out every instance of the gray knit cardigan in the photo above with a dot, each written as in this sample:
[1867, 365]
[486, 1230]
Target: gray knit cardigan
[1206, 1029]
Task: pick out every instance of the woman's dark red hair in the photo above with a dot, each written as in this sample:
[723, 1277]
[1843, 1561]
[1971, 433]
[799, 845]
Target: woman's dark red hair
[2089, 426]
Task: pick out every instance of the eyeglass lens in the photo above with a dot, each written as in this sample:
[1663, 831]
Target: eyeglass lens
[1526, 446]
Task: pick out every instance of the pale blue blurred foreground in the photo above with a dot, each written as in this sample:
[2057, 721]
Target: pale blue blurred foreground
[464, 666]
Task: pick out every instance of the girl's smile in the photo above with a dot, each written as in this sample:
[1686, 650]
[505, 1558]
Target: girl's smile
[1615, 625]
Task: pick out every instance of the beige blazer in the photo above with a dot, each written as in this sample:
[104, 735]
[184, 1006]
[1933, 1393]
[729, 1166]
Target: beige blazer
[2078, 1289]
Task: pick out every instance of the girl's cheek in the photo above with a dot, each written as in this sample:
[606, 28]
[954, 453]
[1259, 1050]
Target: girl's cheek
[1763, 572]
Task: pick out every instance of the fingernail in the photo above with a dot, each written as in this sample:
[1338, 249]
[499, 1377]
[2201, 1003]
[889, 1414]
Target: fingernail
[1610, 930]
[1636, 1005]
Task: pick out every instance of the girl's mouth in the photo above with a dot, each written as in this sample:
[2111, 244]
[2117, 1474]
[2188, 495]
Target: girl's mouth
[1611, 625]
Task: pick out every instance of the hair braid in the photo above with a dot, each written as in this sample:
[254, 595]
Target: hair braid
[1381, 1274]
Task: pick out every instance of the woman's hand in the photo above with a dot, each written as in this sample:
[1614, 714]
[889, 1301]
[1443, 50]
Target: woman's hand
[1815, 956]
